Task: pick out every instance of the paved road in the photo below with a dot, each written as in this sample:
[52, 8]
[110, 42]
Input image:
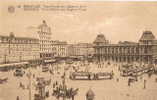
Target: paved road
[103, 89]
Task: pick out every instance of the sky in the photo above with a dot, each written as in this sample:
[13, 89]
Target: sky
[118, 21]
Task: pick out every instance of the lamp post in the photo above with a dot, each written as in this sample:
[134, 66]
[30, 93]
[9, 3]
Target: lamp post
[9, 45]
[29, 77]
[5, 58]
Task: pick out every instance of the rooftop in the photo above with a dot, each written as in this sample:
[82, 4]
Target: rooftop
[18, 38]
[44, 24]
[147, 35]
[100, 39]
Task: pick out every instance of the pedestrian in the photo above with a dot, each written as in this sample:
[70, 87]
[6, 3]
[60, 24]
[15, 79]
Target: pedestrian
[17, 98]
[144, 84]
[141, 77]
[149, 74]
[129, 81]
[54, 85]
[117, 79]
[47, 94]
[20, 85]
[33, 75]
[136, 78]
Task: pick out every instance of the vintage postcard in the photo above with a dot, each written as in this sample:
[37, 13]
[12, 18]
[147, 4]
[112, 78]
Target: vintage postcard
[78, 50]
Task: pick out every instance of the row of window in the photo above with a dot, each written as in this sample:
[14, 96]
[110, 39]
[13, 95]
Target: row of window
[14, 40]
[122, 50]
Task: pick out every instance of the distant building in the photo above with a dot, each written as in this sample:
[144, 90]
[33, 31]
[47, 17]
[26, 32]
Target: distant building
[143, 51]
[44, 32]
[17, 49]
[83, 50]
[59, 48]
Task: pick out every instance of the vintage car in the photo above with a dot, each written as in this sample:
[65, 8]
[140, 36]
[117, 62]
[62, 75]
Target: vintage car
[81, 76]
[4, 80]
[38, 97]
[132, 79]
[126, 73]
[45, 69]
[103, 75]
[19, 72]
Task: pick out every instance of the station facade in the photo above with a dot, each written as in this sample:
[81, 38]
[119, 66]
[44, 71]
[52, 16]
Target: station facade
[144, 51]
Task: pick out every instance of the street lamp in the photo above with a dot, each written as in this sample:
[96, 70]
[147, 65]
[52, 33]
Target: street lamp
[29, 77]
[5, 57]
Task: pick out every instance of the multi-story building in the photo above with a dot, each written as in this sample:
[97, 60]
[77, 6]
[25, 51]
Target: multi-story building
[143, 51]
[81, 50]
[44, 32]
[17, 49]
[59, 48]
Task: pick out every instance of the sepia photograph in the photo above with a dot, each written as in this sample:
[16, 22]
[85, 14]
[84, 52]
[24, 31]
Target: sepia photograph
[78, 50]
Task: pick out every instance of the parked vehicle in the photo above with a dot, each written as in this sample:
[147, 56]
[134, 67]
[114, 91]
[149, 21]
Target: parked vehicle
[4, 80]
[45, 69]
[126, 73]
[19, 72]
[132, 79]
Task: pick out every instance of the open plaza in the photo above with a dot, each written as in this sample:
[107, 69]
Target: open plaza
[25, 87]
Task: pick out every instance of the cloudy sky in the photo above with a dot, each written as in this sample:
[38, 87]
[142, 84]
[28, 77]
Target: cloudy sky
[118, 21]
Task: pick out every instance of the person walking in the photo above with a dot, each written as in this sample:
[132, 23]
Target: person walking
[17, 98]
[144, 84]
[129, 81]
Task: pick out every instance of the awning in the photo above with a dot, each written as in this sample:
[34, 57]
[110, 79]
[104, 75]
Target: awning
[14, 64]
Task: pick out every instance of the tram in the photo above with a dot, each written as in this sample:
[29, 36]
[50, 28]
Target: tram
[81, 76]
[103, 75]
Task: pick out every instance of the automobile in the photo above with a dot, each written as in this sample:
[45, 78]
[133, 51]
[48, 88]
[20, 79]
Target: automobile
[45, 69]
[132, 79]
[126, 73]
[4, 80]
[19, 72]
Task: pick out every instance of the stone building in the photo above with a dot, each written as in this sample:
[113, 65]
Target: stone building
[18, 49]
[82, 50]
[143, 51]
[44, 35]
[59, 48]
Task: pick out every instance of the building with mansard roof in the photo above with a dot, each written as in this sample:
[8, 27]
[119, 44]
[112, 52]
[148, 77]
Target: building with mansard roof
[59, 48]
[144, 51]
[81, 50]
[18, 49]
[101, 39]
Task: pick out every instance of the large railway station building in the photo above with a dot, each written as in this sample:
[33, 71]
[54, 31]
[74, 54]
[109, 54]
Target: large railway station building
[144, 51]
